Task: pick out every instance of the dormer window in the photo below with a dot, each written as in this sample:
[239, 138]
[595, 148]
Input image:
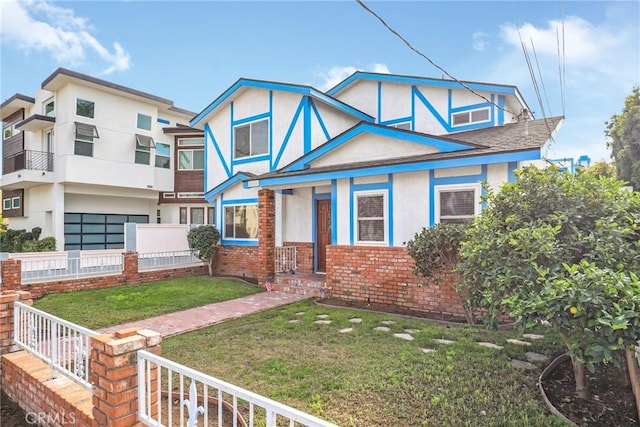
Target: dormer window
[251, 139]
[472, 116]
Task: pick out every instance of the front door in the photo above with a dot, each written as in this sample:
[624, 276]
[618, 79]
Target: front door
[323, 232]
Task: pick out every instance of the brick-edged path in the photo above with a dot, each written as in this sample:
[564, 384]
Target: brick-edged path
[200, 317]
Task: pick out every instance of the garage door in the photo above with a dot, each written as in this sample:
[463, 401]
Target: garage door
[97, 231]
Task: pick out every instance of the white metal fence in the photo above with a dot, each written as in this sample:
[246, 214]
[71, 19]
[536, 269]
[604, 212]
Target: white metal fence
[68, 265]
[286, 258]
[172, 394]
[66, 347]
[172, 259]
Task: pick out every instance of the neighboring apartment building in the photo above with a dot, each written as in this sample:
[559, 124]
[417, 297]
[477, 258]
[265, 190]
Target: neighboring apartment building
[366, 164]
[84, 156]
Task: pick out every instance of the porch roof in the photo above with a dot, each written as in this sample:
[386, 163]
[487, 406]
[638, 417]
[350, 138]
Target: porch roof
[237, 177]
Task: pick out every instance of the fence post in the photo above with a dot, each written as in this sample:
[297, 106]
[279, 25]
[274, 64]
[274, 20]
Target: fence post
[130, 268]
[11, 270]
[7, 300]
[114, 375]
[266, 235]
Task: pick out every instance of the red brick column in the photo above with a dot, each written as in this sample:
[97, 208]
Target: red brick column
[266, 235]
[113, 373]
[7, 299]
[130, 268]
[11, 275]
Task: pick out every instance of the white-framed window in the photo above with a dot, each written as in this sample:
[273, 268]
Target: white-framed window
[371, 216]
[15, 203]
[169, 195]
[183, 215]
[190, 142]
[251, 139]
[144, 144]
[85, 108]
[211, 215]
[402, 125]
[190, 195]
[241, 221]
[9, 130]
[472, 116]
[163, 155]
[143, 122]
[6, 204]
[197, 215]
[49, 108]
[85, 134]
[190, 160]
[457, 203]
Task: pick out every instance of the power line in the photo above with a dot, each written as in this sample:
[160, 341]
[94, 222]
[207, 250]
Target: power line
[410, 46]
[544, 89]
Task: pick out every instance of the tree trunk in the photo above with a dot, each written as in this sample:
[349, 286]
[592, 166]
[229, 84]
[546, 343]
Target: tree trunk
[580, 374]
[634, 376]
[210, 266]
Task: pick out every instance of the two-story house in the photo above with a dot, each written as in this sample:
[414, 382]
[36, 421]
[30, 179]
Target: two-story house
[364, 165]
[84, 156]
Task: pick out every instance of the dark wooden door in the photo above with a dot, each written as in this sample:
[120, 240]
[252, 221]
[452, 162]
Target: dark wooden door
[323, 232]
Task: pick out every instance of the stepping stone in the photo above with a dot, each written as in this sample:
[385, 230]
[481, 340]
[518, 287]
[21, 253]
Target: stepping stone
[322, 322]
[345, 330]
[522, 365]
[518, 342]
[490, 345]
[412, 331]
[381, 328]
[404, 337]
[443, 341]
[300, 313]
[388, 322]
[535, 357]
[322, 316]
[294, 321]
[427, 350]
[355, 320]
[533, 336]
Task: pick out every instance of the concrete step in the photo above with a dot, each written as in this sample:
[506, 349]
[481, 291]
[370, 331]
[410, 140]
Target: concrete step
[314, 291]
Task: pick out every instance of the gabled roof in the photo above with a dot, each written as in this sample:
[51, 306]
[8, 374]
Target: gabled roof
[243, 83]
[237, 177]
[509, 142]
[428, 81]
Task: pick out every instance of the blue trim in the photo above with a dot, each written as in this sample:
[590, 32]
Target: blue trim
[209, 132]
[292, 126]
[395, 121]
[231, 137]
[251, 159]
[511, 171]
[478, 106]
[351, 212]
[320, 121]
[252, 201]
[405, 167]
[238, 242]
[303, 90]
[443, 145]
[415, 92]
[384, 185]
[307, 126]
[450, 180]
[220, 188]
[500, 109]
[391, 213]
[163, 121]
[413, 111]
[270, 127]
[334, 212]
[379, 118]
[234, 202]
[252, 118]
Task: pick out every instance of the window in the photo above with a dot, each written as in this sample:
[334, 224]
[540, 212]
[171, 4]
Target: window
[457, 204]
[85, 135]
[6, 204]
[158, 217]
[85, 108]
[371, 217]
[471, 116]
[211, 215]
[197, 215]
[163, 155]
[403, 125]
[183, 215]
[169, 195]
[49, 108]
[190, 142]
[190, 195]
[9, 131]
[241, 222]
[144, 122]
[190, 160]
[251, 139]
[143, 149]
[15, 203]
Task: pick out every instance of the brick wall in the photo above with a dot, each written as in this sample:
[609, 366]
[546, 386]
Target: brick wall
[384, 277]
[238, 261]
[304, 256]
[266, 235]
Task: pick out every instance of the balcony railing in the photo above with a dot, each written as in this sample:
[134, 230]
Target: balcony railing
[29, 160]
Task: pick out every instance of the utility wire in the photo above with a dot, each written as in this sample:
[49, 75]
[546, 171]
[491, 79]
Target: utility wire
[544, 89]
[410, 46]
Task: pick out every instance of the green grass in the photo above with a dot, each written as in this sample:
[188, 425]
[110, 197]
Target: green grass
[99, 308]
[370, 378]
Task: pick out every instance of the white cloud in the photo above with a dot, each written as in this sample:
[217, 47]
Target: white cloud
[336, 74]
[34, 25]
[480, 41]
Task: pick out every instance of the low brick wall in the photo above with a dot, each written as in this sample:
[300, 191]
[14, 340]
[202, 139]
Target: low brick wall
[238, 261]
[384, 277]
[304, 256]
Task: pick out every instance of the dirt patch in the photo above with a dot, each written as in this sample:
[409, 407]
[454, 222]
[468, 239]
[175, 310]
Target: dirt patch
[11, 415]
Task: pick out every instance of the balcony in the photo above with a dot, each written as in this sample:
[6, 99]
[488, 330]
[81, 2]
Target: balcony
[26, 169]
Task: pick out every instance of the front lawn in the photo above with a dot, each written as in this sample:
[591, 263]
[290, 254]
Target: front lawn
[99, 308]
[368, 377]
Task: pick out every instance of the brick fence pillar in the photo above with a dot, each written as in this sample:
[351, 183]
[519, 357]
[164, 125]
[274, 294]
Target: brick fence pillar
[11, 275]
[130, 268]
[113, 373]
[266, 235]
[7, 299]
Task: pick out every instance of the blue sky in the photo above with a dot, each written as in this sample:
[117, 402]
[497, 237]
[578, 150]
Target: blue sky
[190, 51]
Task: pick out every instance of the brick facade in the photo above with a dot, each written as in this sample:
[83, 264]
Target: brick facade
[384, 277]
[304, 256]
[6, 317]
[11, 275]
[238, 261]
[266, 235]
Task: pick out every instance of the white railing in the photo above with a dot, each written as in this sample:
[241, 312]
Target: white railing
[170, 394]
[65, 346]
[286, 258]
[63, 266]
[172, 259]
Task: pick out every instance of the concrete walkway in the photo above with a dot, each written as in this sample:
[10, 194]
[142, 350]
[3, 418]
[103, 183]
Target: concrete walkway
[200, 317]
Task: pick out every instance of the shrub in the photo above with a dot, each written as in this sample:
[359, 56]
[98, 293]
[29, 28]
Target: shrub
[203, 241]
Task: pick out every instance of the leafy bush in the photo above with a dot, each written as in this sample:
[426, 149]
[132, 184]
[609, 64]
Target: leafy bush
[203, 241]
[15, 241]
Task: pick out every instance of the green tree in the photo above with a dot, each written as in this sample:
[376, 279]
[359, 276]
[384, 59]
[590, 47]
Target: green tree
[564, 249]
[203, 240]
[602, 168]
[623, 131]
